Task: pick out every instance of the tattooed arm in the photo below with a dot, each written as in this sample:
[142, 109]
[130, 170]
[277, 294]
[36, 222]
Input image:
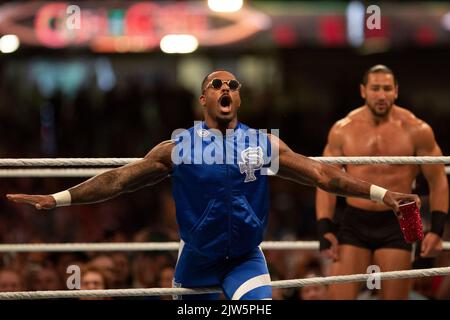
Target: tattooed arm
[153, 168]
[303, 170]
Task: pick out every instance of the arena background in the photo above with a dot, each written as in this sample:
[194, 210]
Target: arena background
[108, 90]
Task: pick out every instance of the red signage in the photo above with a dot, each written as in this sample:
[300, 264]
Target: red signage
[115, 27]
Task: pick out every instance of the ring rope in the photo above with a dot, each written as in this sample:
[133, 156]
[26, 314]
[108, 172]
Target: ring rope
[384, 160]
[138, 246]
[294, 283]
[148, 246]
[60, 162]
[55, 162]
[67, 172]
[51, 172]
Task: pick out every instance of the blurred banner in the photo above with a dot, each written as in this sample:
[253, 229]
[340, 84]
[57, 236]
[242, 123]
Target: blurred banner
[112, 26]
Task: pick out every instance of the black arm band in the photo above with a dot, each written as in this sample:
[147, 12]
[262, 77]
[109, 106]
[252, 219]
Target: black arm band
[325, 225]
[438, 220]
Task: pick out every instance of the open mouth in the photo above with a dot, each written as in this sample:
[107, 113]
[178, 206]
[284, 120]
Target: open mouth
[225, 104]
[225, 101]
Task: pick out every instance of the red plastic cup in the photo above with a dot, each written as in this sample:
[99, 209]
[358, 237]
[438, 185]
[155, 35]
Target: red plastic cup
[410, 222]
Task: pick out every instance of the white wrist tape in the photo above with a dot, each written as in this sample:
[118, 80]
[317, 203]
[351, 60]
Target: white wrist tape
[377, 193]
[62, 198]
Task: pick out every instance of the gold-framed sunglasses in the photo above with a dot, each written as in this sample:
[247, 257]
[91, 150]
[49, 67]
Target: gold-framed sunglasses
[217, 84]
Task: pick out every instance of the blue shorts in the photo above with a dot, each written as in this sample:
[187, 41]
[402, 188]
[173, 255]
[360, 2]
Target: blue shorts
[243, 278]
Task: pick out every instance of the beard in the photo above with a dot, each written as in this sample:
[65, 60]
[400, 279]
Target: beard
[380, 110]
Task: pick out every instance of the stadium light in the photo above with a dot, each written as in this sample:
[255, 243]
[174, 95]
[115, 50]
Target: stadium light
[225, 5]
[355, 23]
[179, 43]
[446, 21]
[9, 43]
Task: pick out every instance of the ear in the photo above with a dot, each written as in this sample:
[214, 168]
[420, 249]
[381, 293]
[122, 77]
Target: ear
[202, 100]
[396, 92]
[362, 90]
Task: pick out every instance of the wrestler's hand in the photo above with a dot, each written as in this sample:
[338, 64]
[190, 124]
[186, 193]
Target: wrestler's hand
[38, 201]
[332, 251]
[394, 199]
[431, 245]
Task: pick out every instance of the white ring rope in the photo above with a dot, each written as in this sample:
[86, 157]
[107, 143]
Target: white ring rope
[51, 172]
[55, 162]
[60, 162]
[66, 172]
[138, 246]
[383, 160]
[148, 246]
[294, 283]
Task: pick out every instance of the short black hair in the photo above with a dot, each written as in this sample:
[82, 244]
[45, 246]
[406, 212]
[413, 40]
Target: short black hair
[379, 68]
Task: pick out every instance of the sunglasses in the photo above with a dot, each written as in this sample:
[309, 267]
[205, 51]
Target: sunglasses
[217, 84]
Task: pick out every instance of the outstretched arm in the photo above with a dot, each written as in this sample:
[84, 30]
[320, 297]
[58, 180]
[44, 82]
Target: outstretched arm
[300, 169]
[153, 168]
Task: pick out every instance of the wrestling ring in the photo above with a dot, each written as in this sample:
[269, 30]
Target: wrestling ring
[108, 163]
